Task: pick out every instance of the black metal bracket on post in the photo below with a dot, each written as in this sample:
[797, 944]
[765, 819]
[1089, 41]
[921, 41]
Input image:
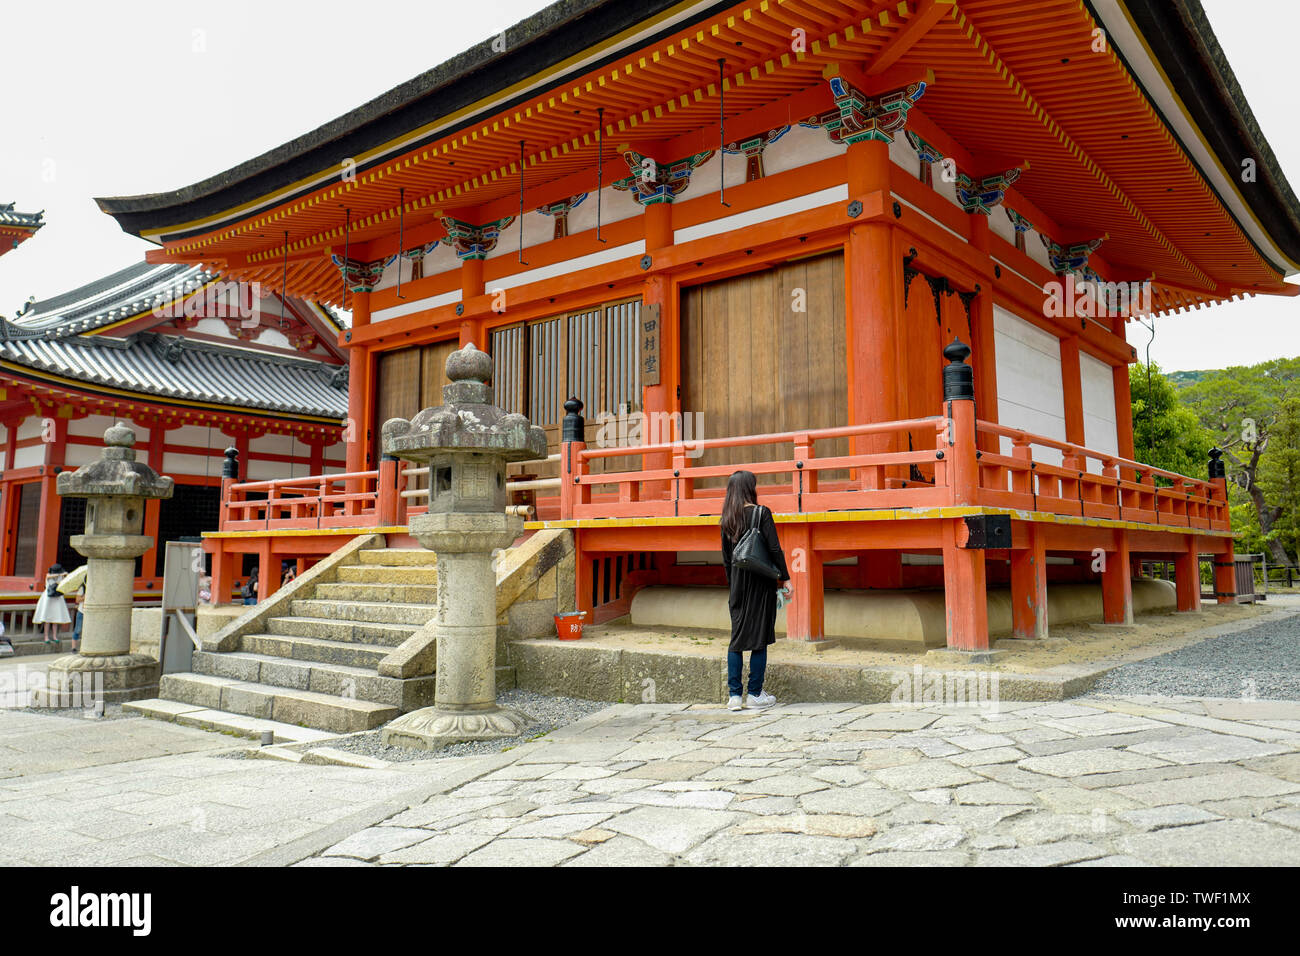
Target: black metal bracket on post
[958, 377]
[987, 532]
[230, 467]
[574, 427]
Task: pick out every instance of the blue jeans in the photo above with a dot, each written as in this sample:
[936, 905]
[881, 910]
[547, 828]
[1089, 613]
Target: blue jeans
[757, 668]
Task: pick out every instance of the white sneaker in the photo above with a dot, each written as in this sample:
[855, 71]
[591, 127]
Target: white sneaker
[761, 700]
[734, 703]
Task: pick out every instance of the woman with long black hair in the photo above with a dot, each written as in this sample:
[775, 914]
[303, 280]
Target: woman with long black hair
[753, 596]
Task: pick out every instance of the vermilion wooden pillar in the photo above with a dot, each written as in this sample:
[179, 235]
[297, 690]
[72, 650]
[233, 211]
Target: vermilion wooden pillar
[872, 294]
[1117, 583]
[965, 581]
[805, 617]
[153, 507]
[1187, 576]
[1072, 385]
[47, 542]
[983, 347]
[1029, 586]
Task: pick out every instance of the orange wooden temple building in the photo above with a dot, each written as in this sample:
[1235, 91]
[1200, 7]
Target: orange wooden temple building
[742, 234]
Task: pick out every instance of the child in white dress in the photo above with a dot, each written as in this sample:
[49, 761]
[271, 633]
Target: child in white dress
[52, 609]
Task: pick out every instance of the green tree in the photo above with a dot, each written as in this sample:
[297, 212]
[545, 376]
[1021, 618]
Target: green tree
[1253, 414]
[1166, 433]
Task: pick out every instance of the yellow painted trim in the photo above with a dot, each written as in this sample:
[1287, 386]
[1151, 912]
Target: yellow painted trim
[879, 514]
[305, 532]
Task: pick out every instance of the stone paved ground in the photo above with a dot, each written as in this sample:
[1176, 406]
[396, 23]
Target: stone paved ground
[1101, 780]
[1106, 782]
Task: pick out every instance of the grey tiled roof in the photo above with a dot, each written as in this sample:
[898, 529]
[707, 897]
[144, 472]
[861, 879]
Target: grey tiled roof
[177, 368]
[30, 219]
[50, 337]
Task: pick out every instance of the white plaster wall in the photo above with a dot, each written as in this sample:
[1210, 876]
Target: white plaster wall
[800, 146]
[269, 470]
[214, 327]
[78, 455]
[175, 464]
[1035, 248]
[902, 154]
[276, 445]
[198, 435]
[1099, 428]
[31, 427]
[537, 229]
[92, 426]
[29, 457]
[946, 189]
[1030, 391]
[615, 204]
[1000, 224]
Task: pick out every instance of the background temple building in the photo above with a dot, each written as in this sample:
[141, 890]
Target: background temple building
[17, 227]
[194, 365]
[771, 219]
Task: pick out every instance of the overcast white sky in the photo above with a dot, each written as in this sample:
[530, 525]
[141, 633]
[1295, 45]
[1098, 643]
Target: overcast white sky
[140, 96]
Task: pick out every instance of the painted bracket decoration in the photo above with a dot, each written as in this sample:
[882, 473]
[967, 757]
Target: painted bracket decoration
[361, 276]
[858, 118]
[985, 194]
[652, 182]
[560, 211]
[752, 149]
[470, 241]
[1070, 260]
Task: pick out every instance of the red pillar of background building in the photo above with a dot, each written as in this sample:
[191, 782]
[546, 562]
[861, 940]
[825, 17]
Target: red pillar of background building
[54, 432]
[983, 334]
[153, 507]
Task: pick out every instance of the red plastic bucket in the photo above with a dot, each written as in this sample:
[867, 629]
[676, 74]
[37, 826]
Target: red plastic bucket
[568, 627]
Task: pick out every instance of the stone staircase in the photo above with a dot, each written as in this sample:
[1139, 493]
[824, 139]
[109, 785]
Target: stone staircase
[317, 666]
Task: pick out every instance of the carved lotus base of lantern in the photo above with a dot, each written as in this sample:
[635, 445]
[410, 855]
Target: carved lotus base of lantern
[433, 729]
[80, 681]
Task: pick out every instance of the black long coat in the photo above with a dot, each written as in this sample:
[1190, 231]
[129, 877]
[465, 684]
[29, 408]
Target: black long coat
[753, 597]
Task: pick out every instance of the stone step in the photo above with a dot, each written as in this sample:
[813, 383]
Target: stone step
[401, 593]
[387, 574]
[223, 721]
[350, 632]
[26, 646]
[307, 708]
[417, 557]
[337, 680]
[314, 650]
[373, 612]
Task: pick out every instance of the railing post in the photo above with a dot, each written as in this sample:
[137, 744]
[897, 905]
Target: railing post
[959, 397]
[223, 561]
[804, 479]
[402, 500]
[1022, 482]
[229, 477]
[964, 571]
[572, 444]
[1225, 571]
[386, 494]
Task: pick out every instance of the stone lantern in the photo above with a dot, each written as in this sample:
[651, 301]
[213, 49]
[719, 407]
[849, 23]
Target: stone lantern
[115, 487]
[466, 442]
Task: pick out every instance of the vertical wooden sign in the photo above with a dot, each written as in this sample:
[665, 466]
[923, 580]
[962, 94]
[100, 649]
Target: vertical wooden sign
[649, 335]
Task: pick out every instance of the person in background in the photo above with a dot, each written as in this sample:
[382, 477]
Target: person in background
[752, 598]
[6, 646]
[288, 571]
[52, 609]
[77, 600]
[249, 590]
[205, 589]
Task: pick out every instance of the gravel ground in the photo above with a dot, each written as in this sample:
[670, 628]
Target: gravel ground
[1260, 662]
[546, 713]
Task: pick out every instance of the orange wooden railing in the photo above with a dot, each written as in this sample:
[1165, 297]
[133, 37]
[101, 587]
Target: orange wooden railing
[1118, 488]
[1122, 489]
